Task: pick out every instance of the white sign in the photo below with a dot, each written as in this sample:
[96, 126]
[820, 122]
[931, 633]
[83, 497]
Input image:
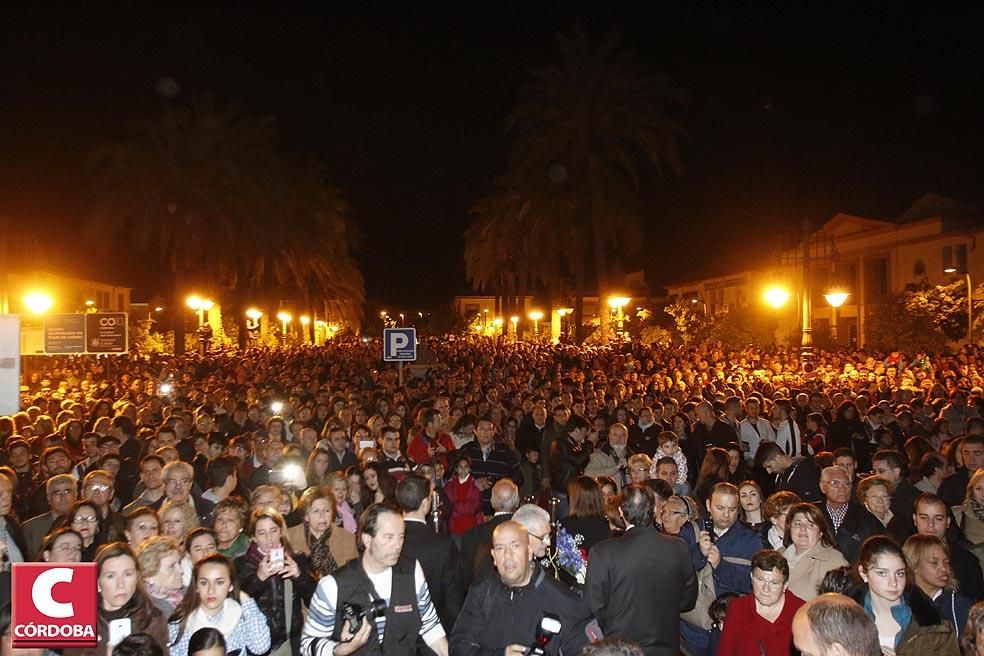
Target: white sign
[10, 363]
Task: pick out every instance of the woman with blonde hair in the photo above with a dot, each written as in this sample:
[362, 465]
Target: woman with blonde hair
[177, 519]
[970, 514]
[160, 565]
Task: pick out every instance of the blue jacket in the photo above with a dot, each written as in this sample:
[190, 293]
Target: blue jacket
[739, 542]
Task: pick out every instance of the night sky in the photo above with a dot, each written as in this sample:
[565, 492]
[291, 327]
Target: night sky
[794, 114]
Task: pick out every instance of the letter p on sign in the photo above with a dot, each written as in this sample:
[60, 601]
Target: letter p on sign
[54, 606]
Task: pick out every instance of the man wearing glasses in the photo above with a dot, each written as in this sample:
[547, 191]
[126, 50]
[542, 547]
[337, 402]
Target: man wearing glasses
[852, 522]
[536, 520]
[98, 489]
[179, 477]
[62, 492]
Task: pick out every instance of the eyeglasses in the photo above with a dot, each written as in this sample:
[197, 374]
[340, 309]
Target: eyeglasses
[768, 583]
[838, 483]
[62, 493]
[88, 519]
[544, 539]
[97, 487]
[178, 482]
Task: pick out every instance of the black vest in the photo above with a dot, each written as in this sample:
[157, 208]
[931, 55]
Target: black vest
[402, 614]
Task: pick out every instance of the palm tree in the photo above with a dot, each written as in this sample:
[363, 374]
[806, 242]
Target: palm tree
[208, 192]
[586, 128]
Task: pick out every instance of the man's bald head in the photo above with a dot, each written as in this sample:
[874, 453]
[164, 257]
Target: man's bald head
[512, 554]
[835, 625]
[505, 496]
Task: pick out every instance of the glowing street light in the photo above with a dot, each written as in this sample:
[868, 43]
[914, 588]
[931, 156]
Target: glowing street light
[776, 296]
[836, 298]
[284, 318]
[305, 320]
[618, 302]
[38, 302]
[535, 316]
[194, 302]
[253, 314]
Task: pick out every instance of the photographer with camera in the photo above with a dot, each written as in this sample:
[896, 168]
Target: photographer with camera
[378, 602]
[520, 609]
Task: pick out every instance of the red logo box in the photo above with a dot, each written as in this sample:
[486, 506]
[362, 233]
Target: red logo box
[54, 605]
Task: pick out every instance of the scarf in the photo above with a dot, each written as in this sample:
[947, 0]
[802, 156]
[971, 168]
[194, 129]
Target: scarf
[978, 509]
[172, 597]
[324, 563]
[225, 620]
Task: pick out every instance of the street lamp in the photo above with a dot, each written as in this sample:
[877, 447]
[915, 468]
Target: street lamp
[835, 298]
[284, 318]
[616, 303]
[536, 315]
[38, 302]
[514, 320]
[970, 299]
[776, 296]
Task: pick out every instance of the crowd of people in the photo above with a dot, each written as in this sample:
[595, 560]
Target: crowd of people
[507, 498]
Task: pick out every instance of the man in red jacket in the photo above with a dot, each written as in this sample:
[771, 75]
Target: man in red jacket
[430, 444]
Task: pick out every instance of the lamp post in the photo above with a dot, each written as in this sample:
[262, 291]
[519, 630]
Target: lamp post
[835, 298]
[253, 323]
[616, 303]
[284, 318]
[970, 300]
[201, 306]
[305, 322]
[514, 320]
[535, 316]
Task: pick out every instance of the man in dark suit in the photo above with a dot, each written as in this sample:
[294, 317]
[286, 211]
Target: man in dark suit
[436, 553]
[852, 522]
[623, 572]
[476, 559]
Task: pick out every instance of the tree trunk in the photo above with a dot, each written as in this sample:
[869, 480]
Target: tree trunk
[579, 266]
[178, 310]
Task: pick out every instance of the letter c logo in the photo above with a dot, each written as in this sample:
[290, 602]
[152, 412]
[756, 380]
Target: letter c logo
[41, 593]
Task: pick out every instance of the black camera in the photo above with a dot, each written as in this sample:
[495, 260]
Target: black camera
[549, 627]
[354, 614]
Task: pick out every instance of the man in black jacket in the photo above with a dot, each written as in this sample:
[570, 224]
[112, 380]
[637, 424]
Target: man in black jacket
[502, 611]
[798, 475]
[852, 522]
[569, 455]
[474, 561]
[623, 573]
[954, 487]
[436, 553]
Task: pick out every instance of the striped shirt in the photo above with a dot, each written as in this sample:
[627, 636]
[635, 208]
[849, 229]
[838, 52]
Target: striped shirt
[321, 613]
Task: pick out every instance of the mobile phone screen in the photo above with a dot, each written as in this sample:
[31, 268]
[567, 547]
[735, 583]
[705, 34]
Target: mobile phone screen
[277, 559]
[119, 629]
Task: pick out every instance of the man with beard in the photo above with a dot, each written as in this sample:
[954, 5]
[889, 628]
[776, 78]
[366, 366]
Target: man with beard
[380, 574]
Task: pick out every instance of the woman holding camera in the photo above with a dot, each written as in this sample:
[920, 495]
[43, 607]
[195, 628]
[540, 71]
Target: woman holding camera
[276, 578]
[215, 600]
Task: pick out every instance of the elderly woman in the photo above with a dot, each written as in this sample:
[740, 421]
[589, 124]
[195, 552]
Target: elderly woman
[675, 513]
[928, 558]
[141, 524]
[810, 549]
[638, 466]
[907, 621]
[775, 509]
[268, 579]
[121, 597]
[762, 622]
[875, 494]
[160, 565]
[63, 545]
[328, 546]
[229, 523]
[83, 517]
[177, 519]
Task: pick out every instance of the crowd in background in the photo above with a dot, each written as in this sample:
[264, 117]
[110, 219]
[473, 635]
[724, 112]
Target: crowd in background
[216, 493]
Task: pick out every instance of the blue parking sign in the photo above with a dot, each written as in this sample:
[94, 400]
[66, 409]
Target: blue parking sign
[399, 344]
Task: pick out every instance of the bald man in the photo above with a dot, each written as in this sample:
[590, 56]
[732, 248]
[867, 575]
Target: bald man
[513, 601]
[834, 625]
